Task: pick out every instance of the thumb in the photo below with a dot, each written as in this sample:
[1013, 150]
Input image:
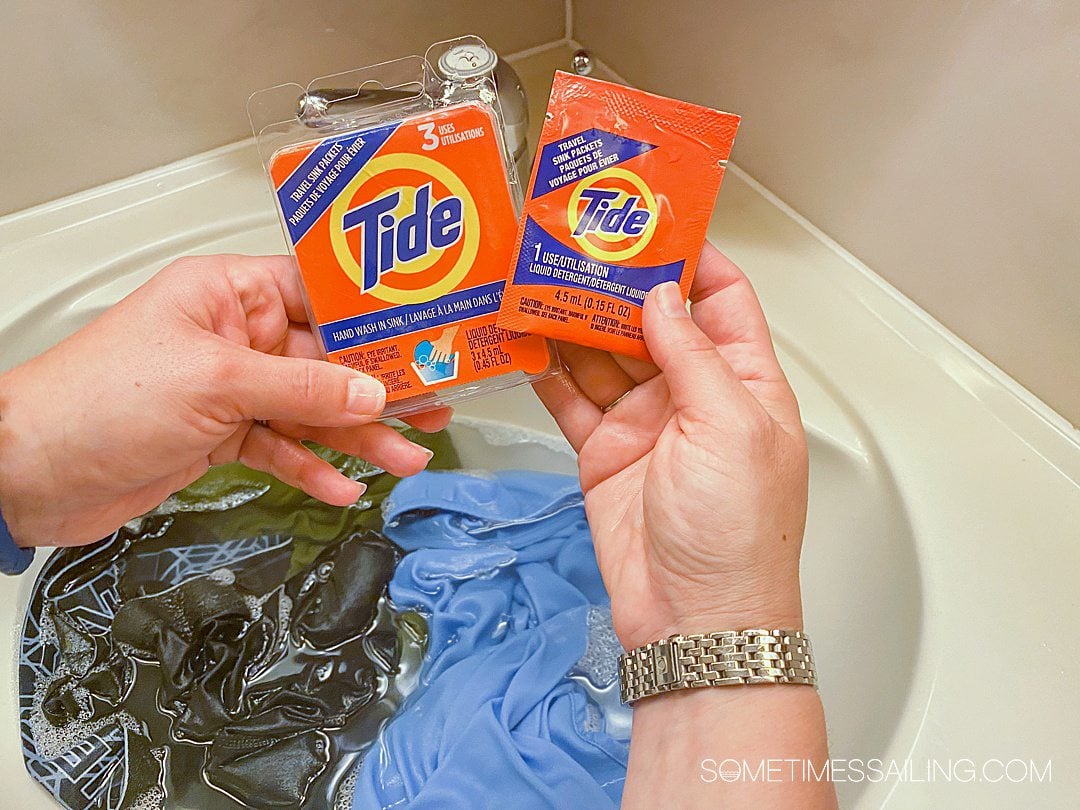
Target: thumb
[697, 375]
[295, 389]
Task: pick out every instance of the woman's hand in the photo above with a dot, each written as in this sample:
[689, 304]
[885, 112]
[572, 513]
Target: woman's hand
[171, 380]
[695, 487]
[696, 480]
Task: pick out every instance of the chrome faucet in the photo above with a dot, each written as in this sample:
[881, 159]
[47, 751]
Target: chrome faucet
[463, 62]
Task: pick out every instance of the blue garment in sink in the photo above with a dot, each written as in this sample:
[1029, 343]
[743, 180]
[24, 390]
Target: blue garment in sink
[504, 569]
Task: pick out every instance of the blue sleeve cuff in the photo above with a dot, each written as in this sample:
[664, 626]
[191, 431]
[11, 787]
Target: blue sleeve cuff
[13, 559]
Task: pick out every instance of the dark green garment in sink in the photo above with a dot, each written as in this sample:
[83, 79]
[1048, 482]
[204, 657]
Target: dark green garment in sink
[233, 645]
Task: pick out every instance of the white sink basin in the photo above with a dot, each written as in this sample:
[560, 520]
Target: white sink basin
[852, 496]
[943, 511]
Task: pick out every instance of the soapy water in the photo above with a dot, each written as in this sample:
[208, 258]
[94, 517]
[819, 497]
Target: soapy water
[183, 781]
[503, 434]
[350, 742]
[97, 726]
[503, 568]
[598, 673]
[161, 537]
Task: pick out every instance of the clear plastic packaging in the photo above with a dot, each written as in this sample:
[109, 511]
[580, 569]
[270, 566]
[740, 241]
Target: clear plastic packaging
[399, 199]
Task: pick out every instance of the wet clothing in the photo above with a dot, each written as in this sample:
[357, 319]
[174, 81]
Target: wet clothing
[503, 569]
[236, 637]
[243, 640]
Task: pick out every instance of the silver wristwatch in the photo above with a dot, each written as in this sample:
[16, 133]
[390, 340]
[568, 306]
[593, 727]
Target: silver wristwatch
[728, 658]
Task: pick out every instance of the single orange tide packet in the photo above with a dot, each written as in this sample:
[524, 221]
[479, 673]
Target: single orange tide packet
[622, 189]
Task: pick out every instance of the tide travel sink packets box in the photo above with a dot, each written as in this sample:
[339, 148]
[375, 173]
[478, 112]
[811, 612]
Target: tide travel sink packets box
[622, 189]
[398, 198]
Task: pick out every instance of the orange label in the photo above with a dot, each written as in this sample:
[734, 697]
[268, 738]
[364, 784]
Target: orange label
[622, 189]
[402, 232]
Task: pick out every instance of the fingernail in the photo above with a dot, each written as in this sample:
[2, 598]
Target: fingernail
[363, 489]
[669, 299]
[430, 454]
[366, 396]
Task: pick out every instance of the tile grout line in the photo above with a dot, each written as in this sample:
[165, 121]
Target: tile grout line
[525, 53]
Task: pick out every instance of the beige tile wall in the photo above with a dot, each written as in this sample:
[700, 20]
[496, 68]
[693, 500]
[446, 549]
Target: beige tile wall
[92, 91]
[938, 141]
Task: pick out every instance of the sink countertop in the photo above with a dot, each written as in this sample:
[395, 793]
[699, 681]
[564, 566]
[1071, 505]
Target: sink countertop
[989, 477]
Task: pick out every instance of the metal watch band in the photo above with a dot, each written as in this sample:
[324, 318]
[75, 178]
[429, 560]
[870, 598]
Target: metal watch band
[727, 658]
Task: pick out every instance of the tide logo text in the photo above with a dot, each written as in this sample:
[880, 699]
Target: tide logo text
[387, 240]
[603, 214]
